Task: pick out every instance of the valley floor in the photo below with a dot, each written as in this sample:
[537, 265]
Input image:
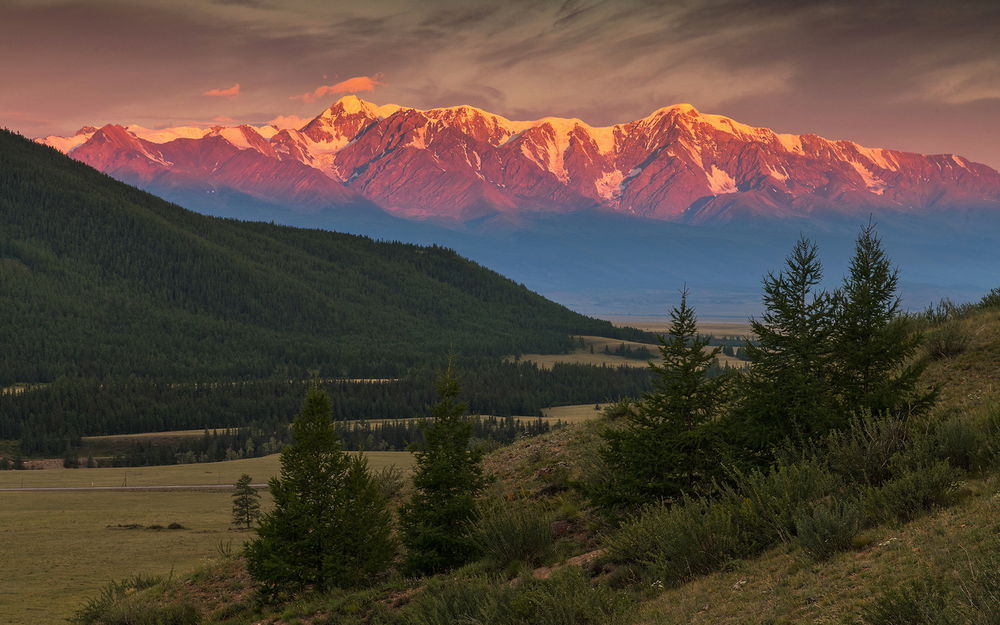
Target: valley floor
[60, 548]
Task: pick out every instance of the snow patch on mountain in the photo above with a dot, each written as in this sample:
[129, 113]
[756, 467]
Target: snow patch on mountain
[719, 181]
[609, 185]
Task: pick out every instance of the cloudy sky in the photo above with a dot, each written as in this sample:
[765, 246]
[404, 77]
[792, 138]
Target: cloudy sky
[906, 74]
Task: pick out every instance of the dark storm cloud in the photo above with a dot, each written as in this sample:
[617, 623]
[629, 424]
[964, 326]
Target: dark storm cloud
[911, 74]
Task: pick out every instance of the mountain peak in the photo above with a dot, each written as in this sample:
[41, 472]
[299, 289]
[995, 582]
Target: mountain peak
[677, 163]
[353, 105]
[678, 109]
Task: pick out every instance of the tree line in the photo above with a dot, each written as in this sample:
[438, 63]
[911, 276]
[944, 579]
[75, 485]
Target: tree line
[53, 418]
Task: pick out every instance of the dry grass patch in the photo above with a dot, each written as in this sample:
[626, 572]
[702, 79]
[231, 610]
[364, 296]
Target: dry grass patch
[784, 586]
[59, 550]
[178, 474]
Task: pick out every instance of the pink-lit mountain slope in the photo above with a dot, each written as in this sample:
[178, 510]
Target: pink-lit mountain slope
[461, 163]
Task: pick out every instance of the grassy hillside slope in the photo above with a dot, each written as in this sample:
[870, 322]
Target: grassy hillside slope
[938, 562]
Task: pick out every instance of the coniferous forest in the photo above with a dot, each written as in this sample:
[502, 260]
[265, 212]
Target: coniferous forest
[132, 314]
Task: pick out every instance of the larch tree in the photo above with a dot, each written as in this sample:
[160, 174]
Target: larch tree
[873, 346]
[435, 522]
[246, 502]
[330, 525]
[787, 391]
[662, 450]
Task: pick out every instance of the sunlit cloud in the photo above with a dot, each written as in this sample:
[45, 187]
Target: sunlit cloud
[351, 85]
[227, 92]
[289, 121]
[223, 119]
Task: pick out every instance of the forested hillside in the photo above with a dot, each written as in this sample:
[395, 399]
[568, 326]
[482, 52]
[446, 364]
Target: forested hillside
[100, 279]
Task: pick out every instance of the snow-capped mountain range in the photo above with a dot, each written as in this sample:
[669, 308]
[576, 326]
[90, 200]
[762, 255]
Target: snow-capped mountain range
[462, 163]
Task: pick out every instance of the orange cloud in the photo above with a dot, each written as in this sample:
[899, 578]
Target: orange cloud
[227, 92]
[351, 85]
[289, 121]
[222, 119]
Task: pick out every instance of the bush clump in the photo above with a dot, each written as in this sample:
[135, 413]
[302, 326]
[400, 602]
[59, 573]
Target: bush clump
[508, 532]
[122, 603]
[698, 535]
[828, 527]
[566, 598]
[947, 341]
[912, 492]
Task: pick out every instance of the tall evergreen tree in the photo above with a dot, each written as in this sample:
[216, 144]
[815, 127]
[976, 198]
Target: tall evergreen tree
[330, 526]
[246, 503]
[872, 345]
[662, 449]
[787, 391]
[435, 522]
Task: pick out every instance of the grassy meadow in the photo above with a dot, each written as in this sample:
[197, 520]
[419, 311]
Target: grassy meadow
[60, 548]
[583, 355]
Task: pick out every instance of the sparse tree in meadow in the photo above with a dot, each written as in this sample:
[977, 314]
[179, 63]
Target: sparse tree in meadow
[665, 445]
[435, 524]
[330, 525]
[246, 503]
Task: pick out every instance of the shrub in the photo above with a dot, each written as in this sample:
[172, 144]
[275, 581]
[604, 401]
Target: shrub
[772, 500]
[508, 532]
[566, 598]
[862, 452]
[390, 481]
[95, 608]
[947, 341]
[828, 528]
[453, 601]
[961, 442]
[700, 535]
[121, 604]
[991, 299]
[620, 409]
[915, 490]
[675, 543]
[923, 602]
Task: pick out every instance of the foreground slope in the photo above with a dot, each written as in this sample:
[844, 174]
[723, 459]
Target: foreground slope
[99, 278]
[938, 564]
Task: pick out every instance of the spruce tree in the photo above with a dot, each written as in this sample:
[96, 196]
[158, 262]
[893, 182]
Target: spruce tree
[663, 448]
[330, 525]
[435, 523]
[872, 345]
[246, 503]
[787, 391]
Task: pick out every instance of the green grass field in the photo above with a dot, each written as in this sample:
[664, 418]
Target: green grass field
[58, 550]
[583, 355]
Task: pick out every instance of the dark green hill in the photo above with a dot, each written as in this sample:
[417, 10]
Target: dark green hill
[100, 279]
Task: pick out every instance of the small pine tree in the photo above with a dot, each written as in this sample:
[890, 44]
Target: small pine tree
[787, 391]
[330, 525]
[664, 447]
[872, 345]
[246, 503]
[435, 522]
